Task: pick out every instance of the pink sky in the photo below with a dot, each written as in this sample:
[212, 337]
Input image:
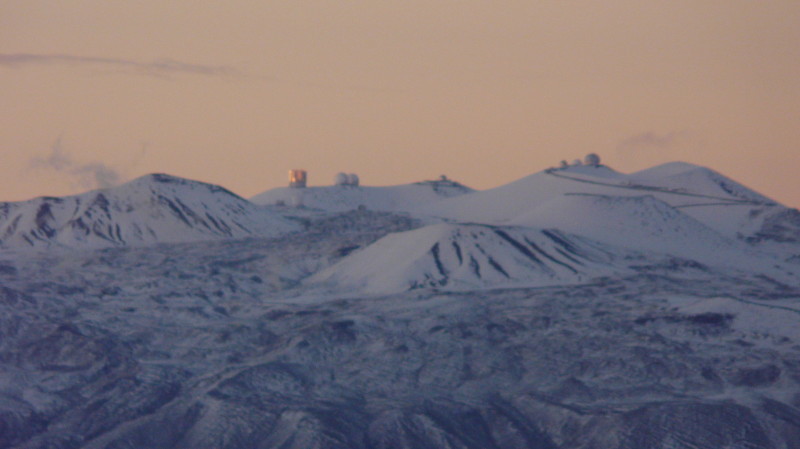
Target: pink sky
[238, 92]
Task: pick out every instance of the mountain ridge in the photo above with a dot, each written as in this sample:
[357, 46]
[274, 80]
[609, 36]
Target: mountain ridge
[340, 198]
[709, 197]
[587, 311]
[150, 209]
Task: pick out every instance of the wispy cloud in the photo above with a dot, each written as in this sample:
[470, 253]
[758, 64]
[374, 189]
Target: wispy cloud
[92, 175]
[159, 67]
[652, 142]
[166, 67]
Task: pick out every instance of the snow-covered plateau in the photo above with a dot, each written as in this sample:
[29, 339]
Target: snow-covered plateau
[577, 307]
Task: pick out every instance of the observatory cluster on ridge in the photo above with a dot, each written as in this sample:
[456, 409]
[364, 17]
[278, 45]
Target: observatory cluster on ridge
[674, 196]
[591, 159]
[347, 193]
[346, 179]
[298, 178]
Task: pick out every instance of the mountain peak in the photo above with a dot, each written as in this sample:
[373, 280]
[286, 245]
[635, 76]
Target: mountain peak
[666, 170]
[164, 178]
[150, 209]
[600, 171]
[160, 180]
[468, 256]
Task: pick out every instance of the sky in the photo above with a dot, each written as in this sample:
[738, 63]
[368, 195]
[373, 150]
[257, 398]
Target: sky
[94, 93]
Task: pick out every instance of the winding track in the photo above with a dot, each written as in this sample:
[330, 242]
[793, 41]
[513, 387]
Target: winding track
[723, 200]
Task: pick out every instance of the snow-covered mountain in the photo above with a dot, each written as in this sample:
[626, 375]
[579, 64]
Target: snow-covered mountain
[153, 208]
[340, 198]
[576, 308]
[469, 256]
[709, 197]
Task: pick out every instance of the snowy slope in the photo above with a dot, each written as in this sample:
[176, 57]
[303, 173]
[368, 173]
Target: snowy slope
[691, 178]
[714, 200]
[219, 344]
[637, 222]
[504, 203]
[725, 204]
[150, 209]
[401, 198]
[465, 256]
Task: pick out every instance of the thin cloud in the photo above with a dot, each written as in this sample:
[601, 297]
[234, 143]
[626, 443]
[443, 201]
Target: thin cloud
[159, 67]
[92, 175]
[651, 142]
[96, 175]
[163, 68]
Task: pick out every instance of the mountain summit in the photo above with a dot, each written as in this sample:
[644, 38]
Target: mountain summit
[151, 209]
[709, 197]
